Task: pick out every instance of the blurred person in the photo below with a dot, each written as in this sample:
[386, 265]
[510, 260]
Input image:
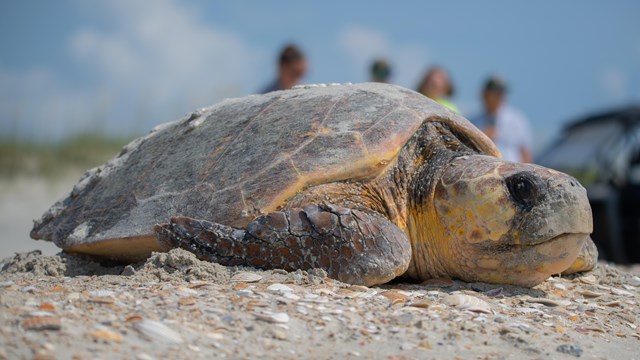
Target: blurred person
[380, 71]
[292, 66]
[437, 86]
[506, 126]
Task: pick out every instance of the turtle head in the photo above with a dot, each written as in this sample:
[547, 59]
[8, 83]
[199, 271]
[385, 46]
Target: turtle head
[502, 222]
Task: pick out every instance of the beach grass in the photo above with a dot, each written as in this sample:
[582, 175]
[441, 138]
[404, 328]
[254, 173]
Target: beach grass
[25, 158]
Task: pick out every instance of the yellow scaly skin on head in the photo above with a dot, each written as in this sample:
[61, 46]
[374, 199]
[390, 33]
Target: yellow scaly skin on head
[499, 222]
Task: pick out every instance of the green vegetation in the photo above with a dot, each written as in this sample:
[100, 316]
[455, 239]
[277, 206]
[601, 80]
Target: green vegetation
[587, 176]
[55, 159]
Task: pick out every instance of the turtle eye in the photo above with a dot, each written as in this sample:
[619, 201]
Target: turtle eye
[523, 189]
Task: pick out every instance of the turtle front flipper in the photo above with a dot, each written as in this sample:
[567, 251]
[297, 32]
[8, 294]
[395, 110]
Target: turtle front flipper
[586, 260]
[351, 245]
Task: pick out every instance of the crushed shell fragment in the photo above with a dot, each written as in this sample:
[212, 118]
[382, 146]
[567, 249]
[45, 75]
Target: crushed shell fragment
[105, 335]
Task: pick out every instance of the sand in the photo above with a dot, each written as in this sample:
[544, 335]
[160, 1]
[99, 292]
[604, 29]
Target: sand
[175, 306]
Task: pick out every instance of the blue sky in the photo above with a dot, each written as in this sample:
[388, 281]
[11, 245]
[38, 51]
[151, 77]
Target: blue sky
[120, 67]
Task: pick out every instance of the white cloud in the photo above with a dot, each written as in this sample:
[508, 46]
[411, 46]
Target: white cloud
[363, 45]
[167, 53]
[156, 61]
[164, 44]
[37, 104]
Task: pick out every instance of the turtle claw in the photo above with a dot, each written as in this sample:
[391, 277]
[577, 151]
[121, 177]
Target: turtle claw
[183, 228]
[176, 233]
[205, 239]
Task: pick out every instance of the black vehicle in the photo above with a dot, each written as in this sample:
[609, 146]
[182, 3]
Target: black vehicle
[603, 153]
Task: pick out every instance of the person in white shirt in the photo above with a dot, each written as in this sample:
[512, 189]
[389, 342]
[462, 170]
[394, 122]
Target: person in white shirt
[507, 127]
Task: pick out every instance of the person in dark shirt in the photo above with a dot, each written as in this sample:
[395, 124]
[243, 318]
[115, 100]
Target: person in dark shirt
[292, 66]
[380, 71]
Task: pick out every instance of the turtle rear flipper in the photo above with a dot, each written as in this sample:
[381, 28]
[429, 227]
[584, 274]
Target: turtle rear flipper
[351, 245]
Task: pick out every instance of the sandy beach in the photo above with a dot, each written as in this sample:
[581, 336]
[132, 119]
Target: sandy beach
[175, 306]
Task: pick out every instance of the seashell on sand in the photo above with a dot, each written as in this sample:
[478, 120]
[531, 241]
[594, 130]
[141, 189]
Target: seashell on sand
[187, 301]
[47, 307]
[245, 276]
[101, 296]
[548, 302]
[101, 300]
[291, 296]
[41, 313]
[529, 310]
[424, 303]
[468, 302]
[590, 294]
[186, 292]
[155, 330]
[358, 288]
[394, 297]
[620, 292]
[614, 303]
[589, 279]
[277, 318]
[279, 288]
[101, 293]
[105, 335]
[41, 323]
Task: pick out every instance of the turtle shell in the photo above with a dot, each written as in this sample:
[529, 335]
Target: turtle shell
[241, 158]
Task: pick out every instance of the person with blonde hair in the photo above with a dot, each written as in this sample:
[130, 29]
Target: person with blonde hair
[437, 86]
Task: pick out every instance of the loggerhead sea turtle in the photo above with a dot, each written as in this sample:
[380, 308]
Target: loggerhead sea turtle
[367, 181]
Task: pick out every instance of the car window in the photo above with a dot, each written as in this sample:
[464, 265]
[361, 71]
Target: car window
[580, 146]
[583, 149]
